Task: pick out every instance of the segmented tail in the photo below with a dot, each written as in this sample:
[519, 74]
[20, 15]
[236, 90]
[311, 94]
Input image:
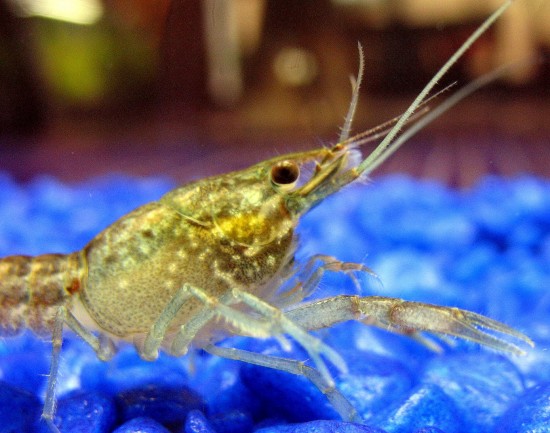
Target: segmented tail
[33, 288]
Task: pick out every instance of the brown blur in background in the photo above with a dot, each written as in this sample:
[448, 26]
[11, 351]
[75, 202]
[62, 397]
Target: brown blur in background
[189, 88]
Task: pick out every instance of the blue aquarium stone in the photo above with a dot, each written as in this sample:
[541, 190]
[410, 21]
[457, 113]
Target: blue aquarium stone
[429, 429]
[19, 410]
[321, 426]
[235, 397]
[426, 405]
[163, 404]
[25, 361]
[84, 412]
[535, 365]
[196, 422]
[141, 425]
[128, 371]
[482, 385]
[291, 396]
[234, 421]
[373, 382]
[486, 249]
[530, 414]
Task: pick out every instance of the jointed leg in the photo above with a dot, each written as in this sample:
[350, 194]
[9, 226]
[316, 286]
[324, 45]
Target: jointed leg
[273, 324]
[308, 276]
[187, 332]
[101, 345]
[48, 410]
[156, 334]
[282, 324]
[338, 401]
[407, 317]
[241, 322]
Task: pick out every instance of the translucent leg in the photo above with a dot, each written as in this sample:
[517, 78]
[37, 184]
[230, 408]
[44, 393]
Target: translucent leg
[213, 307]
[156, 334]
[309, 275]
[409, 318]
[48, 410]
[272, 324]
[338, 401]
[102, 345]
[314, 347]
[241, 322]
[189, 330]
[332, 264]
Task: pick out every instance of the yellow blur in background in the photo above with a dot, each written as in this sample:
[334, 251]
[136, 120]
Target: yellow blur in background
[97, 74]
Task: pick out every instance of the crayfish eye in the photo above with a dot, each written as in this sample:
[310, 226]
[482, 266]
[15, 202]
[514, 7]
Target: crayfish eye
[284, 174]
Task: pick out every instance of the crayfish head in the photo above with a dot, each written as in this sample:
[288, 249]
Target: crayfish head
[305, 179]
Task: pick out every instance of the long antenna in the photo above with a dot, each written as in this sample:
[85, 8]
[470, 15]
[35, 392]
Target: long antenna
[448, 103]
[370, 160]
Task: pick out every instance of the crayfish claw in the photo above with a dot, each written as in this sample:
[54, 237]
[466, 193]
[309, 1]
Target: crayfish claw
[411, 318]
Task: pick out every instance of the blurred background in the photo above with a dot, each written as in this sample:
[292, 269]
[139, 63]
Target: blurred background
[193, 88]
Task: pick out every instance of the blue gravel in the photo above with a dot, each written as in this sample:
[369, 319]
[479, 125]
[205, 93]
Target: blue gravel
[141, 425]
[196, 422]
[83, 411]
[12, 400]
[486, 249]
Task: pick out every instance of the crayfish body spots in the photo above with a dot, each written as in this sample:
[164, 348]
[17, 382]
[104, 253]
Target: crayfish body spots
[193, 235]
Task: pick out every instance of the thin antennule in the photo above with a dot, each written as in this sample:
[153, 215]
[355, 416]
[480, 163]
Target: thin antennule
[384, 128]
[376, 132]
[367, 163]
[355, 85]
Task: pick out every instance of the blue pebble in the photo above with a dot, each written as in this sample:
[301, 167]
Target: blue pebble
[163, 404]
[492, 208]
[395, 210]
[486, 249]
[84, 412]
[141, 425]
[234, 421]
[426, 405]
[288, 395]
[530, 414]
[482, 385]
[414, 275]
[474, 265]
[283, 394]
[373, 382]
[19, 409]
[535, 365]
[235, 398]
[196, 422]
[321, 426]
[128, 371]
[25, 361]
[429, 429]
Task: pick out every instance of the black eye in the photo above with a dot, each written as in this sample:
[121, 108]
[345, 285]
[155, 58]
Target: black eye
[285, 173]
